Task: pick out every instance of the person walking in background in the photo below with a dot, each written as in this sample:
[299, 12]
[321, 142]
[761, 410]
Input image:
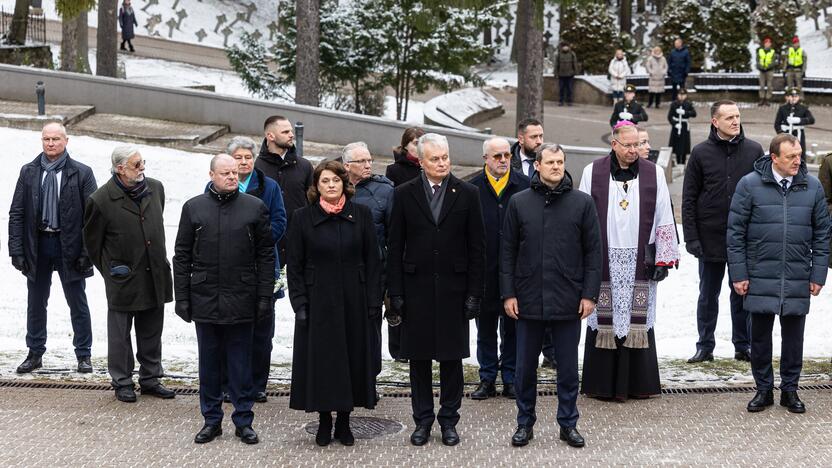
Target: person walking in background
[656, 66]
[711, 176]
[124, 232]
[566, 67]
[497, 183]
[678, 66]
[45, 235]
[778, 255]
[127, 21]
[618, 71]
[767, 61]
[334, 271]
[679, 115]
[795, 65]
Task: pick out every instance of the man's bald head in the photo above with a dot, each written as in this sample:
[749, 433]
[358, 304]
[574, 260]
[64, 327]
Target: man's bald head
[53, 139]
[223, 173]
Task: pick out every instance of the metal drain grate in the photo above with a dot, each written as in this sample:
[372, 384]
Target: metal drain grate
[364, 427]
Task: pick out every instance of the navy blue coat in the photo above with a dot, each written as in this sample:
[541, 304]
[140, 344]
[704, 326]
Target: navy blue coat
[77, 184]
[127, 20]
[551, 253]
[494, 210]
[678, 64]
[376, 193]
[779, 243]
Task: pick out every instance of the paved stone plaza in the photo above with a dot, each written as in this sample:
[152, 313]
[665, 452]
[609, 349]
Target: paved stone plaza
[57, 427]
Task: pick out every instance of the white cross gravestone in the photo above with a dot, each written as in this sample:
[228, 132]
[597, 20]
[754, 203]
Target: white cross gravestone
[181, 15]
[250, 9]
[221, 19]
[171, 24]
[200, 35]
[226, 31]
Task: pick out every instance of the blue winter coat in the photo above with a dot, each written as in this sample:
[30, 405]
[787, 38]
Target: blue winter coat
[376, 193]
[127, 20]
[779, 243]
[678, 64]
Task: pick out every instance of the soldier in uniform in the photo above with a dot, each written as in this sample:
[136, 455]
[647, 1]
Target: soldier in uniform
[679, 114]
[767, 61]
[792, 117]
[795, 65]
[628, 109]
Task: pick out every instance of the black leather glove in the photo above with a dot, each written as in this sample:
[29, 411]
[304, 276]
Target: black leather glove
[395, 314]
[264, 308]
[302, 316]
[374, 312]
[83, 264]
[659, 273]
[694, 248]
[19, 262]
[472, 307]
[183, 310]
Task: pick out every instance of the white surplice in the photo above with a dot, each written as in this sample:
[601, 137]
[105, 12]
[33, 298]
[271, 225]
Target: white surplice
[622, 243]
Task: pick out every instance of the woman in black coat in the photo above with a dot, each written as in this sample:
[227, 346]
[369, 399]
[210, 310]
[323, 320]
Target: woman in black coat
[405, 163]
[333, 271]
[127, 20]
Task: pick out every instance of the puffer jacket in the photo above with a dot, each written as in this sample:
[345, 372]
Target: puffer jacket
[779, 243]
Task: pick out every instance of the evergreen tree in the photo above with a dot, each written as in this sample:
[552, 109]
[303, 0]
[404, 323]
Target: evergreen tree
[730, 25]
[685, 19]
[776, 19]
[593, 33]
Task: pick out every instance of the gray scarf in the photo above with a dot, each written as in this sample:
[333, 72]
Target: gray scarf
[49, 217]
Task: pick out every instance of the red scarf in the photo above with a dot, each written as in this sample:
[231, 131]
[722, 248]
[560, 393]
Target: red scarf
[413, 159]
[330, 208]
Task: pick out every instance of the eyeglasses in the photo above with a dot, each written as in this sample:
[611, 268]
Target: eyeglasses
[500, 156]
[362, 161]
[137, 165]
[631, 146]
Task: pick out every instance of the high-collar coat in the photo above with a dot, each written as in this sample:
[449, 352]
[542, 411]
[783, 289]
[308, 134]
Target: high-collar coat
[434, 266]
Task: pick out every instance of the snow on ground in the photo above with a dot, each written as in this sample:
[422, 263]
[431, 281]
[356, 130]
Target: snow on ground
[184, 176]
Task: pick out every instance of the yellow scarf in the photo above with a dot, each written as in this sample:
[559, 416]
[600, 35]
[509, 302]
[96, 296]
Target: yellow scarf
[498, 185]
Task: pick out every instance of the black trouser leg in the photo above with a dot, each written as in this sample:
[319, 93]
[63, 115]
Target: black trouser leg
[529, 343]
[761, 369]
[421, 392]
[149, 324]
[565, 335]
[120, 362]
[791, 351]
[451, 382]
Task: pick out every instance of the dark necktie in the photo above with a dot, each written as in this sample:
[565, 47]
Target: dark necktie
[435, 190]
[531, 167]
[785, 184]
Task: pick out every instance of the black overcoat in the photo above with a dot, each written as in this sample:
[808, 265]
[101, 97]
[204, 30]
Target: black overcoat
[434, 266]
[402, 169]
[680, 141]
[118, 231]
[224, 257]
[77, 184]
[334, 271]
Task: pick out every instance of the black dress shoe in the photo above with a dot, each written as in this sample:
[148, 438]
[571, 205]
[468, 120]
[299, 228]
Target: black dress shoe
[572, 437]
[449, 436]
[260, 397]
[84, 365]
[207, 433]
[159, 391]
[126, 394]
[32, 362]
[343, 432]
[762, 399]
[701, 356]
[485, 390]
[522, 436]
[420, 435]
[743, 355]
[247, 435]
[792, 402]
[508, 391]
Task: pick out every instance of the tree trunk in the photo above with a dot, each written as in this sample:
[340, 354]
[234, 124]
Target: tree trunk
[640, 6]
[626, 16]
[19, 22]
[660, 6]
[530, 60]
[486, 35]
[307, 74]
[106, 57]
[75, 44]
[518, 33]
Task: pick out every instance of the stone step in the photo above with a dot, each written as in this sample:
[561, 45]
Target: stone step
[148, 131]
[24, 115]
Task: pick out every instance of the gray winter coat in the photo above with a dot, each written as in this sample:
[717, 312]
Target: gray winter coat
[779, 243]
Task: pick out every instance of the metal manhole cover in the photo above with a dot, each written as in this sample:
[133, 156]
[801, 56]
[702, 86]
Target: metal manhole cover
[365, 427]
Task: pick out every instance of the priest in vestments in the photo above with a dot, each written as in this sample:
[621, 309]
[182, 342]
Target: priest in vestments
[639, 241]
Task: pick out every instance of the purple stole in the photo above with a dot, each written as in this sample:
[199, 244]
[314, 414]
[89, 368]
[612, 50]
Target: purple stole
[637, 336]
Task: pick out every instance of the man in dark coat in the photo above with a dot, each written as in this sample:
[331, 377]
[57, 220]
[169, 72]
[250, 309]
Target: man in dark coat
[711, 175]
[376, 193]
[825, 177]
[45, 222]
[497, 183]
[223, 281]
[678, 66]
[550, 275]
[628, 109]
[566, 67]
[279, 161]
[792, 118]
[127, 21]
[778, 253]
[124, 231]
[435, 280]
[529, 137]
[678, 116]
